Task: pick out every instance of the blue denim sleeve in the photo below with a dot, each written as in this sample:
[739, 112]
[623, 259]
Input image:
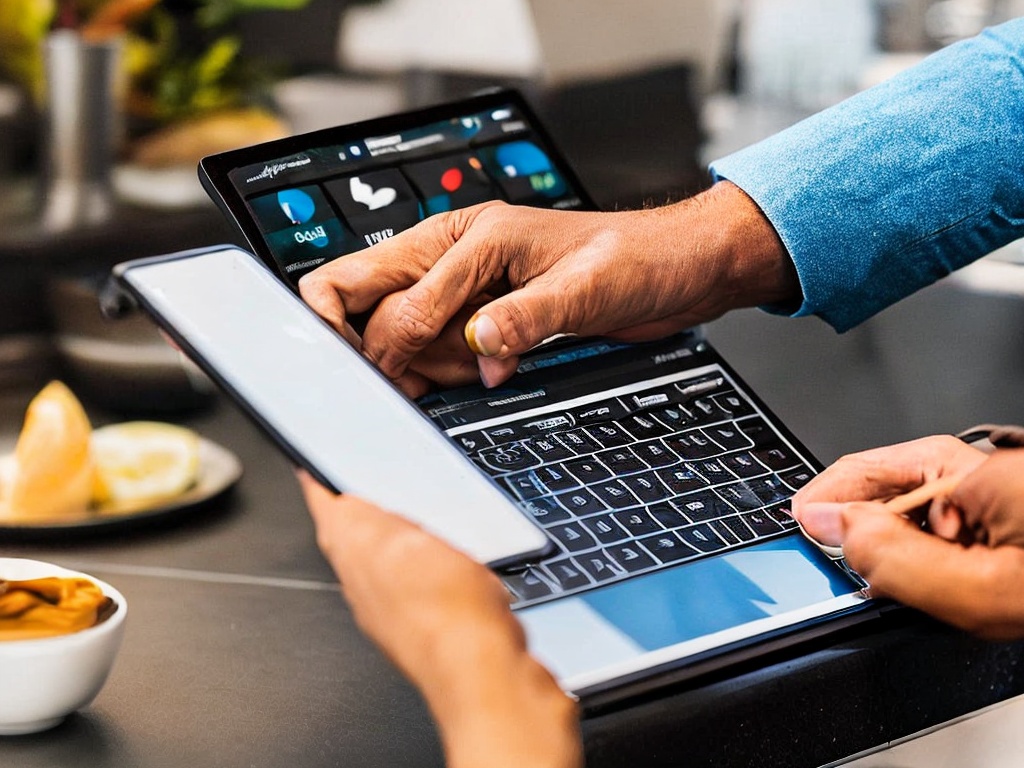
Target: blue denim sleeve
[898, 186]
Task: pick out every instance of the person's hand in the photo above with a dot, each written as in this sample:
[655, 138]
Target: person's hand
[444, 620]
[972, 573]
[881, 473]
[508, 277]
[992, 500]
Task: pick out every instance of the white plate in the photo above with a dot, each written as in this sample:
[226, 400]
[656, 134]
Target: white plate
[219, 470]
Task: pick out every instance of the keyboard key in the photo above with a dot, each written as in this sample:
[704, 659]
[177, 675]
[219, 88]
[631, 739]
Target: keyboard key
[740, 496]
[724, 532]
[572, 536]
[652, 398]
[682, 479]
[693, 444]
[760, 523]
[728, 436]
[697, 387]
[472, 441]
[706, 410]
[757, 429]
[770, 489]
[504, 433]
[595, 412]
[547, 424]
[777, 457]
[581, 502]
[655, 454]
[703, 505]
[549, 450]
[782, 515]
[545, 511]
[675, 417]
[713, 470]
[738, 527]
[621, 461]
[556, 478]
[614, 494]
[637, 522]
[588, 470]
[508, 458]
[701, 538]
[605, 529]
[668, 548]
[668, 515]
[578, 441]
[632, 557]
[643, 427]
[566, 574]
[525, 485]
[527, 585]
[797, 478]
[609, 434]
[599, 566]
[733, 403]
[646, 487]
[744, 465]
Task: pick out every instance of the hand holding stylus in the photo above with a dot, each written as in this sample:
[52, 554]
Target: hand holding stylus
[960, 558]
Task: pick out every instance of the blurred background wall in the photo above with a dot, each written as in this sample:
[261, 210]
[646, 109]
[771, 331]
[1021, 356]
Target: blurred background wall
[639, 95]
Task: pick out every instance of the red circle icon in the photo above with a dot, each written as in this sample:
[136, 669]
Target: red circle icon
[451, 179]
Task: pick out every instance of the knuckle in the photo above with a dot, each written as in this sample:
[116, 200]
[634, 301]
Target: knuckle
[415, 319]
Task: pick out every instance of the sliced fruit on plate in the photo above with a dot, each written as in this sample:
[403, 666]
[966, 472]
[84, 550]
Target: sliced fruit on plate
[143, 463]
[51, 472]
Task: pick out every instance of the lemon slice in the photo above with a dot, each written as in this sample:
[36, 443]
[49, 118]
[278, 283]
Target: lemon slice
[140, 463]
[51, 472]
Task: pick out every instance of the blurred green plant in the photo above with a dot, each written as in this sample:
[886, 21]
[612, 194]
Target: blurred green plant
[181, 57]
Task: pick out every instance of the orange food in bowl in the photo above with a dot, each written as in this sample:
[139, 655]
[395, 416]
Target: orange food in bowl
[49, 606]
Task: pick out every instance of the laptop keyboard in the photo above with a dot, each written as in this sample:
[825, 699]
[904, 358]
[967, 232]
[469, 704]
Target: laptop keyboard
[647, 479]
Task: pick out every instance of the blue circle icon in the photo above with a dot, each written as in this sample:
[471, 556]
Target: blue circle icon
[296, 205]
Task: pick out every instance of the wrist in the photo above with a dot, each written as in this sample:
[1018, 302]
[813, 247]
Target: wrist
[746, 262]
[759, 269]
[498, 706]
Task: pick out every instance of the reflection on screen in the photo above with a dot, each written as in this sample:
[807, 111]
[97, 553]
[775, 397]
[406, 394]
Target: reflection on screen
[329, 201]
[696, 608]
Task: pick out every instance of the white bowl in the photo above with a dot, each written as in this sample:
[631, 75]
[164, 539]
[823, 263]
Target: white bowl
[43, 681]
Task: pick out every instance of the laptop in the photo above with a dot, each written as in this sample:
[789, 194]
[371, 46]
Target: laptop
[658, 480]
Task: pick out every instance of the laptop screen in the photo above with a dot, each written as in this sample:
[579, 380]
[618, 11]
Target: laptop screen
[349, 190]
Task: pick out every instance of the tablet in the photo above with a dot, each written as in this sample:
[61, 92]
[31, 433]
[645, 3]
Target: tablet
[327, 406]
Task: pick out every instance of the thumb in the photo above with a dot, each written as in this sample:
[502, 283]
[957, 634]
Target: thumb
[517, 322]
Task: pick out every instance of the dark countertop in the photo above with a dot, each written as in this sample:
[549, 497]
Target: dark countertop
[240, 652]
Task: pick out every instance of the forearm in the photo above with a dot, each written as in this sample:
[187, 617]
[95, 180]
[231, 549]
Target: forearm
[900, 185]
[496, 706]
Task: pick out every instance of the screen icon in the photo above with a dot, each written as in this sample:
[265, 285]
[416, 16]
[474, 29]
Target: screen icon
[376, 205]
[447, 183]
[525, 173]
[296, 205]
[373, 199]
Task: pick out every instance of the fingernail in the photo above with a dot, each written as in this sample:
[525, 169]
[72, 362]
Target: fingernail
[824, 521]
[484, 337]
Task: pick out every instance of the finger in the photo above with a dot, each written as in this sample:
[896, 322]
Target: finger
[884, 472]
[447, 361]
[992, 498]
[354, 283]
[493, 370]
[409, 320]
[976, 588]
